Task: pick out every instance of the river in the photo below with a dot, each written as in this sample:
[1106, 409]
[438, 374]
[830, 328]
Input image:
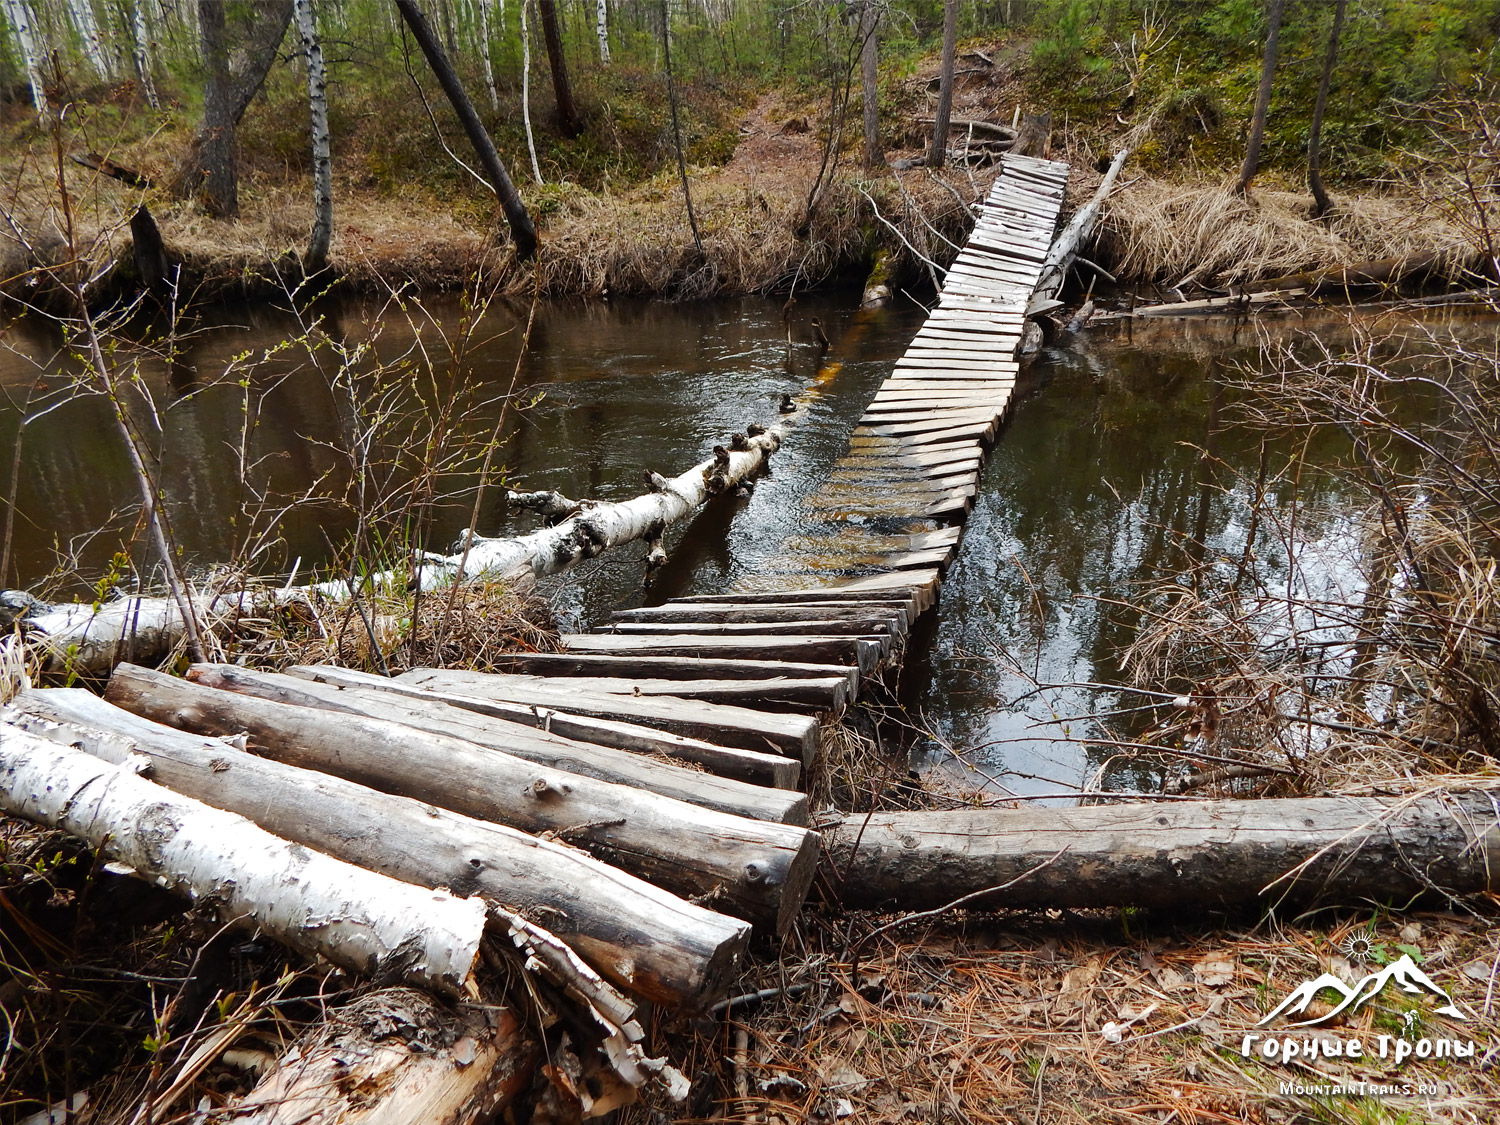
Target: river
[1096, 487]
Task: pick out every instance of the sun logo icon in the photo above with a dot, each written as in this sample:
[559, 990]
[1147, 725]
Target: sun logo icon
[1359, 945]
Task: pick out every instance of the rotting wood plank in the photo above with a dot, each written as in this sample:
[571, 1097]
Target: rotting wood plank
[755, 766]
[564, 664]
[723, 613]
[854, 650]
[855, 627]
[793, 735]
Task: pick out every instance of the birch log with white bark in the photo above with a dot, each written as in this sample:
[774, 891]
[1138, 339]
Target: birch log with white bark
[318, 905]
[33, 50]
[754, 869]
[644, 939]
[1065, 248]
[316, 258]
[89, 640]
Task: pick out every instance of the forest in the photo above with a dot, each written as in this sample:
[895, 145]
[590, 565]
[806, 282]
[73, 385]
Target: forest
[754, 561]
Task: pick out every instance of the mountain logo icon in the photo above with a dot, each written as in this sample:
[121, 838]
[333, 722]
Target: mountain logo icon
[1404, 973]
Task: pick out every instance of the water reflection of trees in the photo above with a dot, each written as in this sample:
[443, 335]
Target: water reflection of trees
[1129, 471]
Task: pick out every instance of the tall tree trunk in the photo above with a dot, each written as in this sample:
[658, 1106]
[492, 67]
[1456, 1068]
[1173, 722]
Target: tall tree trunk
[140, 34]
[567, 112]
[601, 22]
[33, 50]
[220, 183]
[521, 227]
[687, 196]
[209, 169]
[536, 169]
[1321, 203]
[316, 258]
[938, 152]
[869, 18]
[1262, 96]
[82, 14]
[484, 54]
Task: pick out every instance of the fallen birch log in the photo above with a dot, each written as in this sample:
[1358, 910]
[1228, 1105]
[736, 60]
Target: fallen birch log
[753, 869]
[638, 936]
[89, 640]
[1182, 853]
[320, 906]
[394, 1057]
[353, 694]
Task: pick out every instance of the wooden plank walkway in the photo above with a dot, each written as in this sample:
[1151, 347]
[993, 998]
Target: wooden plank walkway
[891, 509]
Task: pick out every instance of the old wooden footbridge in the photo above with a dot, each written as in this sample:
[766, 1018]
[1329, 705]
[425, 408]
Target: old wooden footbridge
[555, 792]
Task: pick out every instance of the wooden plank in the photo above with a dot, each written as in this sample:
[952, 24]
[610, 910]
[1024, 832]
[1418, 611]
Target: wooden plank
[917, 379]
[852, 627]
[995, 366]
[727, 613]
[1000, 392]
[984, 427]
[864, 654]
[880, 413]
[775, 693]
[793, 735]
[754, 766]
[672, 668]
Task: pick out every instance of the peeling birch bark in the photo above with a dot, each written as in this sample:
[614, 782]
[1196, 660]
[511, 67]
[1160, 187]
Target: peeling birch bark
[317, 905]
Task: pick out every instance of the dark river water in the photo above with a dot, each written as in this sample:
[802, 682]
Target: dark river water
[271, 433]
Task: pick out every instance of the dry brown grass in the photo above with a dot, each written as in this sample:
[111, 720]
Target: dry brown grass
[977, 1021]
[1205, 234]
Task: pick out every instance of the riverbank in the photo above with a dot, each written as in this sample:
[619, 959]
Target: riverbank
[782, 212]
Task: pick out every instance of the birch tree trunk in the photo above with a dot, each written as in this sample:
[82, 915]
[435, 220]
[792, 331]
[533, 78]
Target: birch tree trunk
[602, 26]
[484, 54]
[937, 153]
[869, 75]
[33, 51]
[140, 34]
[320, 906]
[82, 14]
[316, 258]
[536, 169]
